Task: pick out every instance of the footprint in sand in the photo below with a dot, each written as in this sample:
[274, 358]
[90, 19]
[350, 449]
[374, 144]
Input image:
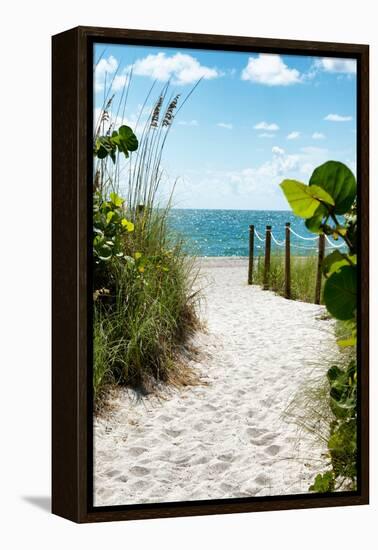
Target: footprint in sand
[262, 479]
[254, 432]
[136, 451]
[201, 460]
[122, 478]
[227, 487]
[173, 433]
[263, 440]
[226, 457]
[139, 471]
[273, 450]
[112, 473]
[141, 484]
[219, 467]
[199, 427]
[165, 418]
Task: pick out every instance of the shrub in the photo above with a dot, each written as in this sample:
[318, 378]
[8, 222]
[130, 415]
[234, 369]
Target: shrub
[331, 193]
[144, 305]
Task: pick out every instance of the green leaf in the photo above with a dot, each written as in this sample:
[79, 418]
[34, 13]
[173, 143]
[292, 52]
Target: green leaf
[128, 225]
[347, 342]
[128, 138]
[337, 180]
[116, 199]
[109, 216]
[323, 483]
[303, 199]
[104, 252]
[340, 293]
[112, 154]
[314, 223]
[333, 373]
[101, 152]
[334, 261]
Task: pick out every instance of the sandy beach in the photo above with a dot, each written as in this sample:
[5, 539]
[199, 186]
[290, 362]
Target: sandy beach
[227, 437]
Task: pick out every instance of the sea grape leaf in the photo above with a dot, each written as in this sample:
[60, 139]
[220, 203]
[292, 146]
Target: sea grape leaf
[334, 261]
[314, 223]
[339, 181]
[303, 199]
[340, 293]
[128, 138]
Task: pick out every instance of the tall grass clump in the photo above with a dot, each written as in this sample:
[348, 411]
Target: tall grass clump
[143, 299]
[302, 271]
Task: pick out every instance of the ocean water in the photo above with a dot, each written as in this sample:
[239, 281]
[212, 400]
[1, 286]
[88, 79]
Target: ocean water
[226, 232]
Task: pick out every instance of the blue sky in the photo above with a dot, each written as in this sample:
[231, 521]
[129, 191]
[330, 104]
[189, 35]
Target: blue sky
[254, 119]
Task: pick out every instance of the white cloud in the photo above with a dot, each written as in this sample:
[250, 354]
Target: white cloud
[104, 71]
[293, 135]
[311, 157]
[273, 127]
[269, 69]
[311, 150]
[318, 135]
[188, 122]
[252, 186]
[226, 125]
[180, 68]
[120, 80]
[337, 118]
[336, 65]
[266, 135]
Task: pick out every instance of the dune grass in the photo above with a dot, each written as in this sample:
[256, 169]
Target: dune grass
[144, 305]
[303, 276]
[140, 325]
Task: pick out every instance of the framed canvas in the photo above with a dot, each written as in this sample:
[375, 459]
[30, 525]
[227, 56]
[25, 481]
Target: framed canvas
[210, 274]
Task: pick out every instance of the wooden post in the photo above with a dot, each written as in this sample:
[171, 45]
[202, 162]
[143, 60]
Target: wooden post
[267, 257]
[251, 247]
[287, 261]
[318, 286]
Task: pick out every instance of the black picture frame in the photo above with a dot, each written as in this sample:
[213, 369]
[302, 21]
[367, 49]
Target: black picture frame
[72, 70]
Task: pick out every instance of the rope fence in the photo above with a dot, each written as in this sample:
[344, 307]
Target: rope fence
[320, 243]
[295, 245]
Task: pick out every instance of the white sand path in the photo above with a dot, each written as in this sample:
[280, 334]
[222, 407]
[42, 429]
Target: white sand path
[228, 438]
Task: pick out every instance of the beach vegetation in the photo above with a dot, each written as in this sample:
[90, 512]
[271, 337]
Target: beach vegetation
[144, 306]
[331, 192]
[302, 271]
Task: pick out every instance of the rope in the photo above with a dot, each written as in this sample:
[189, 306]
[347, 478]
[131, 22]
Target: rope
[258, 236]
[334, 245]
[282, 243]
[278, 243]
[300, 236]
